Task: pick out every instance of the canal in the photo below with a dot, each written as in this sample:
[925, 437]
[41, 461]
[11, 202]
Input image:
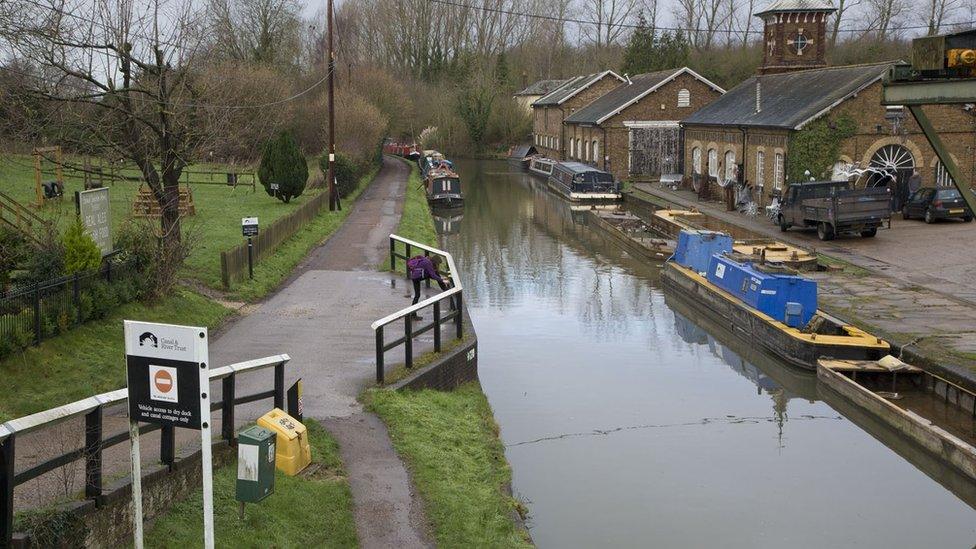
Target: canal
[631, 422]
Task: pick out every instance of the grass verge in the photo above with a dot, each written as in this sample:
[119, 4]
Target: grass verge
[450, 442]
[312, 511]
[416, 223]
[90, 358]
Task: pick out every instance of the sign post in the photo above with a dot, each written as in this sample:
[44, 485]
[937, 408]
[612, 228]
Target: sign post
[249, 228]
[168, 373]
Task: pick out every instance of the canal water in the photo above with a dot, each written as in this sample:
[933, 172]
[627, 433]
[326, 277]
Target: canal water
[631, 422]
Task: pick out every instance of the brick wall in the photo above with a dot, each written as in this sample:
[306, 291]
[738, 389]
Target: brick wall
[780, 55]
[769, 142]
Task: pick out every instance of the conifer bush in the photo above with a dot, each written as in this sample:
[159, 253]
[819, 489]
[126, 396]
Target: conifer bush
[80, 251]
[283, 171]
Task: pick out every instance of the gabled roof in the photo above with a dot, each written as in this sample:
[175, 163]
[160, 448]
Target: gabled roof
[572, 87]
[788, 100]
[629, 93]
[542, 87]
[793, 6]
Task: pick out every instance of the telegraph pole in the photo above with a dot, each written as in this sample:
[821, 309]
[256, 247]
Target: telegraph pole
[333, 197]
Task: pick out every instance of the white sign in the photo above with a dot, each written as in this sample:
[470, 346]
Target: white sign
[163, 384]
[247, 462]
[720, 270]
[249, 226]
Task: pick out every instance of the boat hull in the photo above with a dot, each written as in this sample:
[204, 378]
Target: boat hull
[756, 327]
[446, 201]
[581, 196]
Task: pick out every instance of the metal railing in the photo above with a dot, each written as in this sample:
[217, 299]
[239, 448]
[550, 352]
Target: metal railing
[453, 294]
[95, 443]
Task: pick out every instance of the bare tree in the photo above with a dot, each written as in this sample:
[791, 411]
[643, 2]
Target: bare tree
[608, 20]
[843, 7]
[884, 17]
[266, 31]
[939, 13]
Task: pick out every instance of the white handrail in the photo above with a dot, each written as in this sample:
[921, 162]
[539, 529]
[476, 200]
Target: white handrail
[455, 289]
[81, 407]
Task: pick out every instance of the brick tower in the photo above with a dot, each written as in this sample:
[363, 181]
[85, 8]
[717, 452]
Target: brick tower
[795, 35]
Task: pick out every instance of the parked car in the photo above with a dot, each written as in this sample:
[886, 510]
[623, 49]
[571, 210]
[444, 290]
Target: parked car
[833, 207]
[932, 204]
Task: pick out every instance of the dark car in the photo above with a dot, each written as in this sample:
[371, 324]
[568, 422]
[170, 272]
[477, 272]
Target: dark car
[932, 204]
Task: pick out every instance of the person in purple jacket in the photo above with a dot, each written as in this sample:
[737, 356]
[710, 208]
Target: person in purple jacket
[422, 268]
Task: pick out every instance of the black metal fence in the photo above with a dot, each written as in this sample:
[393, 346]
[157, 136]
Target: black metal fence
[95, 441]
[453, 295]
[31, 313]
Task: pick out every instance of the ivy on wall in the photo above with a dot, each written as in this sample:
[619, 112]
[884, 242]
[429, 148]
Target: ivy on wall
[817, 146]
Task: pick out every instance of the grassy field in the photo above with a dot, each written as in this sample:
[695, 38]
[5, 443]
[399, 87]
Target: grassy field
[215, 227]
[450, 443]
[89, 359]
[303, 512]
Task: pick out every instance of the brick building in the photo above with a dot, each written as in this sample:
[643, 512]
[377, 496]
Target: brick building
[535, 91]
[633, 130]
[751, 125]
[549, 111]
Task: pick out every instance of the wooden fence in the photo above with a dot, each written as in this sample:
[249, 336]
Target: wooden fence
[233, 262]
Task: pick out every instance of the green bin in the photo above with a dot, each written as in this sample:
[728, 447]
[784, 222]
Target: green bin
[255, 464]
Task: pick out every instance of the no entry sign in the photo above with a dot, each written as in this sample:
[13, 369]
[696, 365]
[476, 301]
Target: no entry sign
[167, 371]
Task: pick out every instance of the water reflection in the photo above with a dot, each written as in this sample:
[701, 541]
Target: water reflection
[631, 422]
[447, 220]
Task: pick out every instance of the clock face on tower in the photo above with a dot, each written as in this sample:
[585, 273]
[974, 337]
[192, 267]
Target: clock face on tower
[799, 42]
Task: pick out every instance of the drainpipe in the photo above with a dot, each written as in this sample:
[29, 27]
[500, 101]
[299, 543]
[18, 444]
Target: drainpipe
[745, 155]
[562, 133]
[605, 151]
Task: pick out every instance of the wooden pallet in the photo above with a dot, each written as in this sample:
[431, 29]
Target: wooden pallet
[145, 204]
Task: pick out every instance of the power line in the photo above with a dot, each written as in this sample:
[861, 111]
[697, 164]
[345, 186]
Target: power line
[635, 26]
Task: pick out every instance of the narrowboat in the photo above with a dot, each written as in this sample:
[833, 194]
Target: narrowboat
[578, 181]
[932, 412]
[766, 304]
[522, 155]
[444, 188]
[632, 234]
[541, 165]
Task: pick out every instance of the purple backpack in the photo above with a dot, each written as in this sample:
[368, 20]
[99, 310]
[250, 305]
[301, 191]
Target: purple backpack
[415, 268]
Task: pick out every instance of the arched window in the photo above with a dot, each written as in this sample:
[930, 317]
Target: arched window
[596, 151]
[713, 163]
[942, 177]
[586, 150]
[760, 168]
[778, 171]
[579, 147]
[729, 165]
[684, 98]
[572, 147]
[696, 160]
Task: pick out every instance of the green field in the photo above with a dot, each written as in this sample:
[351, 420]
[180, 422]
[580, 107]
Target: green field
[215, 227]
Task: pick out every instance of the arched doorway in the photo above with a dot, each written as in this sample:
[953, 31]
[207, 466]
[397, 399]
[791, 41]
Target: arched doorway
[897, 161]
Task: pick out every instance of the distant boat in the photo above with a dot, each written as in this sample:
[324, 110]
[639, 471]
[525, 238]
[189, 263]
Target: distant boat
[578, 181]
[541, 165]
[444, 187]
[522, 155]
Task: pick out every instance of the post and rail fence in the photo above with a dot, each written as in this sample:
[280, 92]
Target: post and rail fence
[454, 316]
[95, 441]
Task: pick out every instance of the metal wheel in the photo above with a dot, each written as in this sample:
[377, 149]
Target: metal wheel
[825, 231]
[928, 216]
[782, 224]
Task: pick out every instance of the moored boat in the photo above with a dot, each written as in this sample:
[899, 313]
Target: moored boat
[763, 303]
[633, 234]
[443, 186]
[541, 166]
[578, 181]
[522, 155]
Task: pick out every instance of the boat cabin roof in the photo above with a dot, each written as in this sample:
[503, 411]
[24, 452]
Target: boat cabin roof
[578, 167]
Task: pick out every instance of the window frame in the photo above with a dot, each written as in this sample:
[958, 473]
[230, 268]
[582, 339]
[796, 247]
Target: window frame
[684, 98]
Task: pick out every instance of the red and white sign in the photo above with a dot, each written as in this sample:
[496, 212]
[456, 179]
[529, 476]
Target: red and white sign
[162, 384]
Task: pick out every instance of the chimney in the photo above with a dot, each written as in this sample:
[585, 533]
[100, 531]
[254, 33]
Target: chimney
[758, 95]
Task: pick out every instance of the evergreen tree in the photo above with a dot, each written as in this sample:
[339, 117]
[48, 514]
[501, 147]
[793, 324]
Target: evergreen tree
[502, 72]
[81, 253]
[283, 166]
[639, 54]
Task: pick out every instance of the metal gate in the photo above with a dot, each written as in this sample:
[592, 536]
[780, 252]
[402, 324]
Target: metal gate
[655, 151]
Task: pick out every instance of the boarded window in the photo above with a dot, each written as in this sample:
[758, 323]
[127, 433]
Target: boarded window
[729, 165]
[696, 160]
[760, 168]
[713, 163]
[596, 151]
[778, 171]
[655, 151]
[684, 98]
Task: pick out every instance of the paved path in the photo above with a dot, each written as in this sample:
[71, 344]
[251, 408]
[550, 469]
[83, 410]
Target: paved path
[919, 288]
[321, 317]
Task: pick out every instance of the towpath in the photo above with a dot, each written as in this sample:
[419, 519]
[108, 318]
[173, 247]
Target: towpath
[913, 284]
[321, 317]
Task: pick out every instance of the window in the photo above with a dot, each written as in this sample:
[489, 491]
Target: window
[730, 165]
[942, 177]
[760, 168]
[556, 143]
[684, 98]
[586, 150]
[778, 171]
[596, 151]
[579, 148]
[696, 160]
[713, 163]
[572, 148]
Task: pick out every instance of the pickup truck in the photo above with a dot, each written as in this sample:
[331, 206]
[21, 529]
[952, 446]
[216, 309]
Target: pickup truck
[833, 207]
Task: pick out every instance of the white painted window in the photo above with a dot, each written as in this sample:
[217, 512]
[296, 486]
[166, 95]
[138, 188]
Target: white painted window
[778, 171]
[760, 168]
[596, 151]
[684, 98]
[572, 148]
[586, 150]
[579, 148]
[556, 143]
[942, 177]
[729, 165]
[713, 163]
[696, 160]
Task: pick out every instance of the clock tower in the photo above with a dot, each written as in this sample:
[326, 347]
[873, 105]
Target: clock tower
[795, 35]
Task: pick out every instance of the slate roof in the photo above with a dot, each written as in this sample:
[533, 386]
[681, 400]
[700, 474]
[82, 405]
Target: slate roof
[779, 6]
[571, 88]
[788, 100]
[626, 94]
[542, 87]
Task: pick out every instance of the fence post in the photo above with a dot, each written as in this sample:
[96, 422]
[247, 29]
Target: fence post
[379, 354]
[167, 445]
[227, 408]
[392, 254]
[37, 315]
[437, 326]
[279, 396]
[76, 295]
[427, 278]
[295, 401]
[459, 317]
[408, 340]
[93, 454]
[406, 253]
[7, 490]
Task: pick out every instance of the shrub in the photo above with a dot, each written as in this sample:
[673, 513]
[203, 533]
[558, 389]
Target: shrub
[347, 172]
[13, 250]
[283, 166]
[80, 251]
